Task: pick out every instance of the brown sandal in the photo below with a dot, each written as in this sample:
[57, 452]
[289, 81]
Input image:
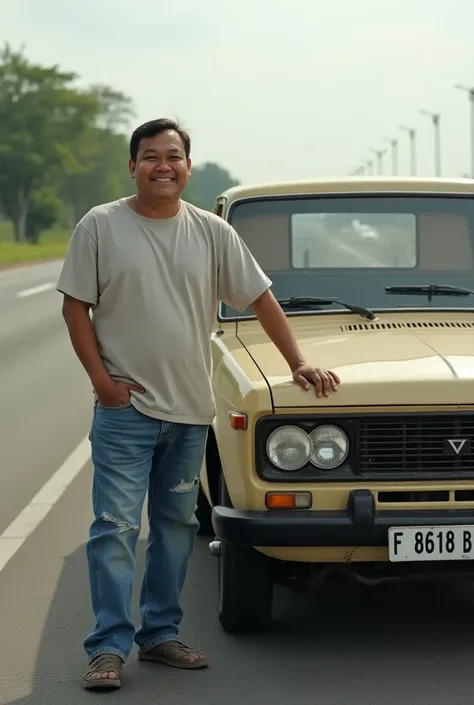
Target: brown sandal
[171, 653]
[105, 663]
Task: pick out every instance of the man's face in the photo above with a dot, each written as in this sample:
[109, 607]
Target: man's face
[162, 169]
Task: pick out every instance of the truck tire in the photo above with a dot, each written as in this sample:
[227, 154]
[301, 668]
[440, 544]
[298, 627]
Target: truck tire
[204, 515]
[245, 583]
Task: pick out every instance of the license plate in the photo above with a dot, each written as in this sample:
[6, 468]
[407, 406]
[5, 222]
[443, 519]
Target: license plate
[431, 543]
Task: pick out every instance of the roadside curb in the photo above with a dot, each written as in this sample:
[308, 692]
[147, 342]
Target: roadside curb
[28, 263]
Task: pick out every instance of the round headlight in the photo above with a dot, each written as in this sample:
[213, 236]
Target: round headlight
[330, 447]
[289, 448]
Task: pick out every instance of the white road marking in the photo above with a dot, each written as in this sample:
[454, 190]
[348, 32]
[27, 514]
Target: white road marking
[33, 514]
[36, 290]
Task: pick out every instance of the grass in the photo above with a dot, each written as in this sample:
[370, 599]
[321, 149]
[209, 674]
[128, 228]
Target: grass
[52, 246]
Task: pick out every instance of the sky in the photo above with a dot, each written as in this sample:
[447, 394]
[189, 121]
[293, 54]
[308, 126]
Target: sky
[272, 89]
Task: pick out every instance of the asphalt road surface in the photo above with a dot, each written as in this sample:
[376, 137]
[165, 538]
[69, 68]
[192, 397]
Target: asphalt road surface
[350, 646]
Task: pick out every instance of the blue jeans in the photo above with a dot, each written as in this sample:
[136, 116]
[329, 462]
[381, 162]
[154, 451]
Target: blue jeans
[132, 454]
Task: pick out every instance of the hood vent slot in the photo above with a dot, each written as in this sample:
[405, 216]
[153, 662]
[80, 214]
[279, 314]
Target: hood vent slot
[410, 325]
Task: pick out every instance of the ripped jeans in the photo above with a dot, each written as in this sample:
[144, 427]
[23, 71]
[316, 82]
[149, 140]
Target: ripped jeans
[132, 454]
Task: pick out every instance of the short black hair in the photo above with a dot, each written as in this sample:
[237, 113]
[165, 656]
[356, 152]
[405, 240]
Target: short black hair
[156, 127]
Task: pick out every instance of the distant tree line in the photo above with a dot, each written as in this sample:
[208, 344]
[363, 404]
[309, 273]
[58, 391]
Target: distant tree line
[64, 149]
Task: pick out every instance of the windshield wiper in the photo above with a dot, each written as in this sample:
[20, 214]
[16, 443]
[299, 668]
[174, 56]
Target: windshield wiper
[316, 301]
[429, 289]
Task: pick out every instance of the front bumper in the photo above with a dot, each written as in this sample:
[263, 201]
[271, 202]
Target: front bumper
[360, 524]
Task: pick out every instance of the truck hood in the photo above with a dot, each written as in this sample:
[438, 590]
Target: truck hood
[393, 362]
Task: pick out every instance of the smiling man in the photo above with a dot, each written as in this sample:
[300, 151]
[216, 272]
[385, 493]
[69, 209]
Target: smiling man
[151, 268]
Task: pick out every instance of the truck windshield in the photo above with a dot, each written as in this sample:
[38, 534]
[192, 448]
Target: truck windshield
[354, 247]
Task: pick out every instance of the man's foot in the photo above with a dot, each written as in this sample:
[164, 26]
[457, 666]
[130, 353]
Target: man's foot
[176, 654]
[103, 673]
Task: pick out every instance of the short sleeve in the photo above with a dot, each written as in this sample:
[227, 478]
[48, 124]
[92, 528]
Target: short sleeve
[79, 274]
[240, 278]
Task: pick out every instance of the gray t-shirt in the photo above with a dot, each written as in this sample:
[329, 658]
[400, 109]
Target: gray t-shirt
[154, 287]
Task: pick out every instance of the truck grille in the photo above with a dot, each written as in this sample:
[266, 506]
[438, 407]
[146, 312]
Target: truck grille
[414, 444]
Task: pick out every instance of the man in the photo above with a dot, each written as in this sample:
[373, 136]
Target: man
[152, 268]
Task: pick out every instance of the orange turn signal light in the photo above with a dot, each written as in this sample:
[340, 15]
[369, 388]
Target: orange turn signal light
[238, 421]
[288, 500]
[280, 501]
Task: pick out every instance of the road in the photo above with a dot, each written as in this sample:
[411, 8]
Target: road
[353, 646]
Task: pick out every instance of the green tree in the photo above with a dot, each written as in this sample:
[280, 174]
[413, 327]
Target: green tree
[206, 183]
[44, 211]
[115, 108]
[95, 172]
[191, 193]
[39, 111]
[60, 142]
[94, 165]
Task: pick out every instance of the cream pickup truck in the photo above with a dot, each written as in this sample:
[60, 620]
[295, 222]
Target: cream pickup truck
[375, 482]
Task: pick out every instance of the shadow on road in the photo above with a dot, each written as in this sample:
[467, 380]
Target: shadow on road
[350, 645]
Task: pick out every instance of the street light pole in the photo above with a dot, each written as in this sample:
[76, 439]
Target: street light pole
[380, 155]
[435, 117]
[470, 92]
[394, 146]
[412, 135]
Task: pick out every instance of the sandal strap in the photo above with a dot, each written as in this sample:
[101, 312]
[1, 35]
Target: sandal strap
[105, 663]
[177, 647]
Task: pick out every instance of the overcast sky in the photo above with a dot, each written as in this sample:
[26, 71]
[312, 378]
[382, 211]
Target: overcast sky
[272, 89]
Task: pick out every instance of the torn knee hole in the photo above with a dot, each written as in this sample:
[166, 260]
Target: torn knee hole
[185, 487]
[122, 524]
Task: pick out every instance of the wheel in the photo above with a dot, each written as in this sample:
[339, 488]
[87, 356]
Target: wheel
[245, 585]
[204, 515]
